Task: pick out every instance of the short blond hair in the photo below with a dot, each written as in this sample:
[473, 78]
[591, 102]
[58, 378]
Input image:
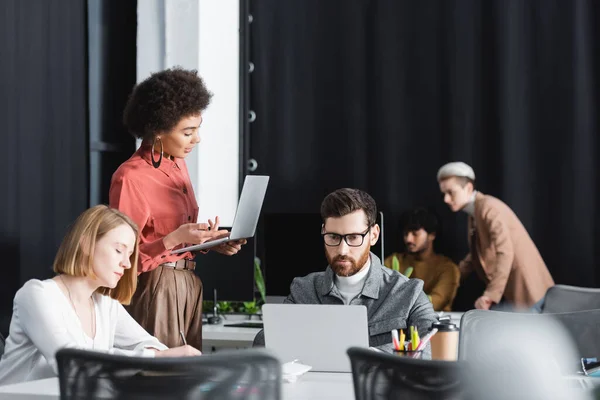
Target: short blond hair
[75, 256]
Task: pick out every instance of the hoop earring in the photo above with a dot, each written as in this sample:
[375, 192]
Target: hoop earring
[155, 163]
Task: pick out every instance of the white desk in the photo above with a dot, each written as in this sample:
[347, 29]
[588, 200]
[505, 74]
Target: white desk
[311, 386]
[219, 337]
[320, 386]
[33, 390]
[216, 337]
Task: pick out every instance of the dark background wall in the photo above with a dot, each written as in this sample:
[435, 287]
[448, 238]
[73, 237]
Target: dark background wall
[112, 31]
[367, 93]
[44, 124]
[379, 94]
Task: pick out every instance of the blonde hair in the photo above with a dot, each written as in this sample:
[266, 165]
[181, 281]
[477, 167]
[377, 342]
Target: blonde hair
[75, 256]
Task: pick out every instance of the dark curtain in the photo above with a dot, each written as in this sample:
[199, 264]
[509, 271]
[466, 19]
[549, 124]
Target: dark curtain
[43, 112]
[379, 94]
[112, 30]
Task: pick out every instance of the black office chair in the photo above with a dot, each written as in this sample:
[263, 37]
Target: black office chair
[259, 339]
[244, 374]
[2, 343]
[565, 298]
[380, 375]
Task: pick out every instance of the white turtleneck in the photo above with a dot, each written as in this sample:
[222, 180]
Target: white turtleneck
[470, 207]
[351, 286]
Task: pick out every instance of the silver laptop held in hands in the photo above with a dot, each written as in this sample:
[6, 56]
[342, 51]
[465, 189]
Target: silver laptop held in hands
[246, 215]
[315, 334]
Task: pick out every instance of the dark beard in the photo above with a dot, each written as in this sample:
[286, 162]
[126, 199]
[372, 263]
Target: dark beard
[354, 267]
[418, 251]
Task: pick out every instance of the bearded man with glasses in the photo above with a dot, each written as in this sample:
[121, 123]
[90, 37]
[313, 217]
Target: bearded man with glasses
[355, 276]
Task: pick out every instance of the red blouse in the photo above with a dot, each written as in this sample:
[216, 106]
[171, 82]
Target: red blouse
[158, 200]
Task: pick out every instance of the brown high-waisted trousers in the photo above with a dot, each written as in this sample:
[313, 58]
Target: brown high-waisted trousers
[168, 301]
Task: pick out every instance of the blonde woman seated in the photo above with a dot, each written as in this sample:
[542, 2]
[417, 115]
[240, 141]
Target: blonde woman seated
[81, 306]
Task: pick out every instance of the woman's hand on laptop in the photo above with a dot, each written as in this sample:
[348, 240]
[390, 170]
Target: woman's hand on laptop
[214, 226]
[227, 248]
[194, 234]
[230, 248]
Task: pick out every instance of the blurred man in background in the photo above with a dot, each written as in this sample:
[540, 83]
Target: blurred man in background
[501, 251]
[439, 274]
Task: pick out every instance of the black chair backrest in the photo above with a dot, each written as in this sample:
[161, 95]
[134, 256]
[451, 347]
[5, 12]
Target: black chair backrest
[244, 374]
[582, 326]
[380, 375]
[2, 343]
[564, 298]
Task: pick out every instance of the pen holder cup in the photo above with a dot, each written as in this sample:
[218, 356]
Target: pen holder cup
[411, 354]
[444, 344]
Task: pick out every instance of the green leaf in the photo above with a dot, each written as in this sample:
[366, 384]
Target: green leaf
[250, 307]
[259, 280]
[224, 306]
[408, 272]
[395, 264]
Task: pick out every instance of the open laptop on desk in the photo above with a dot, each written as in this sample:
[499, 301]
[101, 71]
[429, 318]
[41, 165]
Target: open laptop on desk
[246, 215]
[314, 334]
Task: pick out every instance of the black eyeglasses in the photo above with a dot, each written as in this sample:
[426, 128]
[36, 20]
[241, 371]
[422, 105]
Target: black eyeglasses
[351, 239]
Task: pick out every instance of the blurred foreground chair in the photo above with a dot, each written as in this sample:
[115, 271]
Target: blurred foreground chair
[583, 327]
[378, 375]
[248, 374]
[539, 354]
[564, 298]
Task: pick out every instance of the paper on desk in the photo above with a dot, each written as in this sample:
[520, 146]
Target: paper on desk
[292, 370]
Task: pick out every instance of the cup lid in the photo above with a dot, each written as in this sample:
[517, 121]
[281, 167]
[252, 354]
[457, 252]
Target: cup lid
[445, 326]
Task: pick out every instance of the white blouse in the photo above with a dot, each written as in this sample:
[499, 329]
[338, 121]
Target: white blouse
[44, 321]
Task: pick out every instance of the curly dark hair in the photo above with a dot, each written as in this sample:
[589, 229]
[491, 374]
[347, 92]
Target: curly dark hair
[418, 218]
[345, 201]
[158, 103]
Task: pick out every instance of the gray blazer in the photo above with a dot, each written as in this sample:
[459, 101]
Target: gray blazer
[393, 301]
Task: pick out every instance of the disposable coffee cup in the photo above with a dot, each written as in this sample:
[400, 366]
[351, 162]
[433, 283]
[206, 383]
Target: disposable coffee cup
[444, 344]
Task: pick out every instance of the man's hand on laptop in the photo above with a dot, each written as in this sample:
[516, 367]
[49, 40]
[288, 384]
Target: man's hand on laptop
[227, 248]
[194, 234]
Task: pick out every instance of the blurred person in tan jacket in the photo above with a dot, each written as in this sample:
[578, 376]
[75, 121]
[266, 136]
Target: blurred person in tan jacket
[439, 274]
[501, 251]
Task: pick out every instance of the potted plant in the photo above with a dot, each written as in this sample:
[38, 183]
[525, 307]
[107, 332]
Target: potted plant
[408, 272]
[225, 307]
[396, 267]
[231, 310]
[252, 308]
